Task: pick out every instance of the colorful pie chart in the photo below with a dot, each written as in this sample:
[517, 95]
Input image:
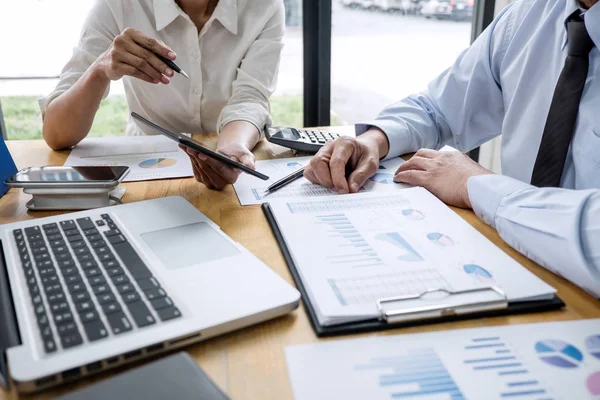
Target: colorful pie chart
[383, 178]
[413, 215]
[440, 239]
[592, 344]
[479, 273]
[558, 353]
[157, 163]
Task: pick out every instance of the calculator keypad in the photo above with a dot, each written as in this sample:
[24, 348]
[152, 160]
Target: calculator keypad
[320, 137]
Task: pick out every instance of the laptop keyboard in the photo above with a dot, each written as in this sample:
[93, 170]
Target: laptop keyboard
[88, 292]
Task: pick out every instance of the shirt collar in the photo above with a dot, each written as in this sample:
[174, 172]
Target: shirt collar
[165, 12]
[591, 18]
[227, 14]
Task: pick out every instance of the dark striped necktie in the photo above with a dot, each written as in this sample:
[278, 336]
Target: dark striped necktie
[560, 124]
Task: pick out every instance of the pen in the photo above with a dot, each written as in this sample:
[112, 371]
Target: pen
[172, 65]
[288, 179]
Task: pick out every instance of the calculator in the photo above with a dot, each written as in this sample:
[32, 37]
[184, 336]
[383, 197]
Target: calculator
[305, 140]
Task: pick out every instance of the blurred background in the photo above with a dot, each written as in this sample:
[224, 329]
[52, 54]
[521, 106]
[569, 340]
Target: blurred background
[381, 51]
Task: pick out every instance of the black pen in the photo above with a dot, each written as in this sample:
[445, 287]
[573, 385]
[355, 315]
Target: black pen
[288, 179]
[172, 65]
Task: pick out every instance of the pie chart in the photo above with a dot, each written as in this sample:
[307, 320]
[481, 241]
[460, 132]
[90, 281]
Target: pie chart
[157, 163]
[414, 215]
[592, 344]
[294, 165]
[593, 383]
[383, 178]
[558, 353]
[479, 273]
[440, 239]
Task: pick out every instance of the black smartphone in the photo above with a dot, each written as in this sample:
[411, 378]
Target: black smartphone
[84, 176]
[192, 144]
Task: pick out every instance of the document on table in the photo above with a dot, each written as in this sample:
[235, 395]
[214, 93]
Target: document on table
[557, 360]
[253, 191]
[148, 157]
[352, 250]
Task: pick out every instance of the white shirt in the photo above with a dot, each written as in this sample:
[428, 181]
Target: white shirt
[503, 84]
[232, 62]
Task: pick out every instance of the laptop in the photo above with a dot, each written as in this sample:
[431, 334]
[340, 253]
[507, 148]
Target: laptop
[85, 292]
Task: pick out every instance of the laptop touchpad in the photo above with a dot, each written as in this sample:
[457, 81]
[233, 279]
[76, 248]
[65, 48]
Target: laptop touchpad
[188, 245]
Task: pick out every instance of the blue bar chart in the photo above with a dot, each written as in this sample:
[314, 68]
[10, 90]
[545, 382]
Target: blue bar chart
[348, 246]
[418, 373]
[491, 355]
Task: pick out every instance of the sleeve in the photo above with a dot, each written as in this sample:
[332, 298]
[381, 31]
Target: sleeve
[257, 77]
[557, 228]
[98, 33]
[463, 107]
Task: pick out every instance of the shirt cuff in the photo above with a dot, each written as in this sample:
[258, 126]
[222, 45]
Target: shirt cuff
[253, 113]
[486, 192]
[399, 142]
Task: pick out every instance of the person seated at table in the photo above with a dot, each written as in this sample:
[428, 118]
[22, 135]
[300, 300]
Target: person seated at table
[230, 49]
[533, 76]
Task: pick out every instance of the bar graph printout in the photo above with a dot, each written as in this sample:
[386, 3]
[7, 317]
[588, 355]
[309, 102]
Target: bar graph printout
[253, 191]
[513, 362]
[355, 249]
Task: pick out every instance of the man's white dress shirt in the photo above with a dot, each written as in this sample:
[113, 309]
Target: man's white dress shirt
[503, 84]
[232, 62]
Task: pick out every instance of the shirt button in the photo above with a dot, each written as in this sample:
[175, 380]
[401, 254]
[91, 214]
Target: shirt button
[197, 91]
[197, 55]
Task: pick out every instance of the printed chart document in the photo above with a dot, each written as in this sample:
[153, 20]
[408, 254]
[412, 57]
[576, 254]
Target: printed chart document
[253, 191]
[352, 250]
[558, 360]
[148, 157]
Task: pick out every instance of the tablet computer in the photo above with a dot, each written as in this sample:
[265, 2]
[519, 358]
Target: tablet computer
[192, 144]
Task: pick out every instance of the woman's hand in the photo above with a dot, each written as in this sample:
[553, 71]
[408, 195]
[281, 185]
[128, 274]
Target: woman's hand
[215, 174]
[132, 54]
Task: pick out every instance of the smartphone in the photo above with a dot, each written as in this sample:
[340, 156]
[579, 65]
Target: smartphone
[72, 177]
[192, 144]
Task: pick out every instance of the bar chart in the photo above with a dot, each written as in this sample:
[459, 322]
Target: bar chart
[417, 373]
[348, 246]
[490, 358]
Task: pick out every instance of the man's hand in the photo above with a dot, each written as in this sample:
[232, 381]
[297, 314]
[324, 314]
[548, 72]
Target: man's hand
[445, 174]
[360, 156]
[215, 174]
[132, 54]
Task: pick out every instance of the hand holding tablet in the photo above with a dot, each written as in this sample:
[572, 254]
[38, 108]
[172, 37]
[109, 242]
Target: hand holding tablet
[192, 144]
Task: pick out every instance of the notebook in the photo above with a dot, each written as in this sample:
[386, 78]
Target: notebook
[7, 166]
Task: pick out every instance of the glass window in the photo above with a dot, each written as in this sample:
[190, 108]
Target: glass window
[287, 107]
[384, 50]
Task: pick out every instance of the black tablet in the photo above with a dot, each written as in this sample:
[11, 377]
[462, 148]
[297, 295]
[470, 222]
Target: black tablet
[192, 144]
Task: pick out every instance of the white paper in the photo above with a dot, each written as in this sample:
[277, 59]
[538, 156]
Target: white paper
[558, 360]
[252, 191]
[148, 157]
[352, 250]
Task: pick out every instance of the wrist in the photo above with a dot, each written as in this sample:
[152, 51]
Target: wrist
[98, 74]
[375, 138]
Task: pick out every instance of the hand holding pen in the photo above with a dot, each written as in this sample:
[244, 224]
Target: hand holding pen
[286, 180]
[132, 53]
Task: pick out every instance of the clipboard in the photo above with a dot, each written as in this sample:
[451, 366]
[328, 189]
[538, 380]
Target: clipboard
[389, 318]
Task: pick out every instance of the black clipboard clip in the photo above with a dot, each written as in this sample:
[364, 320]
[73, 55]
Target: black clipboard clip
[441, 308]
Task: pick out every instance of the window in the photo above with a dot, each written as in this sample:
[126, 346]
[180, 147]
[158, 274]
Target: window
[384, 50]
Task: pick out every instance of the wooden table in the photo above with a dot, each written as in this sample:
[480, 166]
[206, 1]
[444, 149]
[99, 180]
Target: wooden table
[250, 364]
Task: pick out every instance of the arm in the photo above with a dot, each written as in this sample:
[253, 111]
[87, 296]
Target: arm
[243, 119]
[257, 77]
[462, 107]
[557, 228]
[103, 54]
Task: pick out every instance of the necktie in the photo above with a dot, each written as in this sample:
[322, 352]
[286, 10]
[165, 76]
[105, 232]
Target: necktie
[560, 123]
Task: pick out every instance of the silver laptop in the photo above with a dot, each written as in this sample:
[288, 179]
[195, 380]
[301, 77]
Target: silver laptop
[84, 292]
